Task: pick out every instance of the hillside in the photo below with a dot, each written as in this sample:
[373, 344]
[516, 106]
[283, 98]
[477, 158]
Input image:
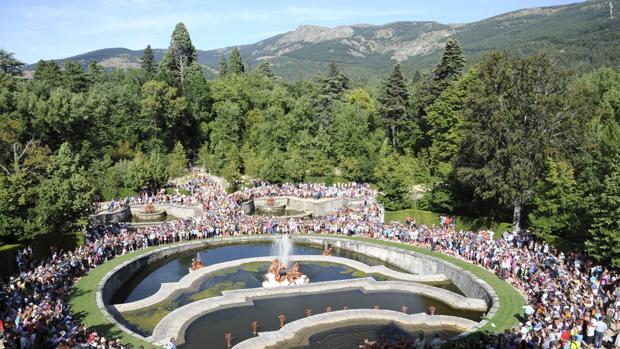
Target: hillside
[583, 35]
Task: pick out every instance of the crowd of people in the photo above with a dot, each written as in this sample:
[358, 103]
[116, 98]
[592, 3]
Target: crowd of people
[571, 303]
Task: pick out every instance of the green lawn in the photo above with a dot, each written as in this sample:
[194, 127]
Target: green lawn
[432, 218]
[84, 305]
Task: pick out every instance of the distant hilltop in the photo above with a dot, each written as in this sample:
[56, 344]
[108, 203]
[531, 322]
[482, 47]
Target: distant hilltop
[583, 35]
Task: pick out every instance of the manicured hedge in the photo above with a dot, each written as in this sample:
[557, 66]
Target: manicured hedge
[41, 248]
[432, 218]
[7, 259]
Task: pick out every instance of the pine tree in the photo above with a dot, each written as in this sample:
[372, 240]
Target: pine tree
[265, 69]
[235, 67]
[448, 70]
[394, 101]
[95, 72]
[604, 244]
[147, 63]
[74, 77]
[223, 67]
[48, 72]
[180, 54]
[9, 64]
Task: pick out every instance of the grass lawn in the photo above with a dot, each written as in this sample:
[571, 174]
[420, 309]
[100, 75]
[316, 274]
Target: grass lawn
[84, 305]
[432, 218]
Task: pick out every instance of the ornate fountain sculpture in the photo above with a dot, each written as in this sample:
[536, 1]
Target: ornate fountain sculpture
[196, 263]
[327, 251]
[149, 208]
[278, 273]
[150, 213]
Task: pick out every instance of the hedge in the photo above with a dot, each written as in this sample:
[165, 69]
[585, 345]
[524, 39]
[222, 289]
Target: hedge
[432, 218]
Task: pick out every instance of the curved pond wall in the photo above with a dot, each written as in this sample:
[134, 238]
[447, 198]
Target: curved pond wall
[411, 261]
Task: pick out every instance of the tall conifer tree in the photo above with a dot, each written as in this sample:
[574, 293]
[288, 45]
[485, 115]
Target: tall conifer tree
[394, 101]
[235, 66]
[223, 67]
[180, 55]
[147, 63]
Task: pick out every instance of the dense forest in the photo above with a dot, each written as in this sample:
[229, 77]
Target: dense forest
[513, 138]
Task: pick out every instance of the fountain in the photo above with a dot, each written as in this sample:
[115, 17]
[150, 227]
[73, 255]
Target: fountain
[279, 274]
[196, 263]
[150, 214]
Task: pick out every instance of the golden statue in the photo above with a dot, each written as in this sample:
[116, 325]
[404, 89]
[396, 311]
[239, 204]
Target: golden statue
[327, 251]
[196, 263]
[149, 208]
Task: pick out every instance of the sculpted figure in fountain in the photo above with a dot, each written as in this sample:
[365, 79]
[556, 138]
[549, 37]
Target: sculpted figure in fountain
[196, 263]
[279, 275]
[327, 251]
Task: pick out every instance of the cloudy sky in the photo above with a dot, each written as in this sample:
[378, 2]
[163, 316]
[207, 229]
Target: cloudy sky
[45, 29]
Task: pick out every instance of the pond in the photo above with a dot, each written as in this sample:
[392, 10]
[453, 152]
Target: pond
[212, 327]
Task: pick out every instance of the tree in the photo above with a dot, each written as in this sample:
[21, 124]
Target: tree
[235, 65]
[147, 172]
[393, 110]
[444, 119]
[604, 242]
[265, 69]
[65, 197]
[49, 73]
[177, 161]
[553, 212]
[225, 137]
[95, 72]
[74, 77]
[147, 63]
[393, 180]
[223, 67]
[10, 64]
[162, 108]
[514, 122]
[180, 54]
[449, 69]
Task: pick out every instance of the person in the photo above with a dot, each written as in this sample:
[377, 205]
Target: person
[599, 332]
[171, 344]
[420, 342]
[436, 342]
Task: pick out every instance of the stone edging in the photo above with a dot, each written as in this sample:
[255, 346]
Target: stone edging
[192, 280]
[491, 296]
[341, 317]
[176, 323]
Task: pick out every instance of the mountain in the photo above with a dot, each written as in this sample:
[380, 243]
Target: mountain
[583, 35]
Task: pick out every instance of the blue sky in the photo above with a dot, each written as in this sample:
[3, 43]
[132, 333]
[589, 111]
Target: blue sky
[45, 29]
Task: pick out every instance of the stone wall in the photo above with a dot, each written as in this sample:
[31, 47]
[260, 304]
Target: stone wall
[248, 207]
[412, 262]
[121, 215]
[178, 211]
[317, 208]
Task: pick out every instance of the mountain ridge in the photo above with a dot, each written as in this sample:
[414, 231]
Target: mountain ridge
[581, 34]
